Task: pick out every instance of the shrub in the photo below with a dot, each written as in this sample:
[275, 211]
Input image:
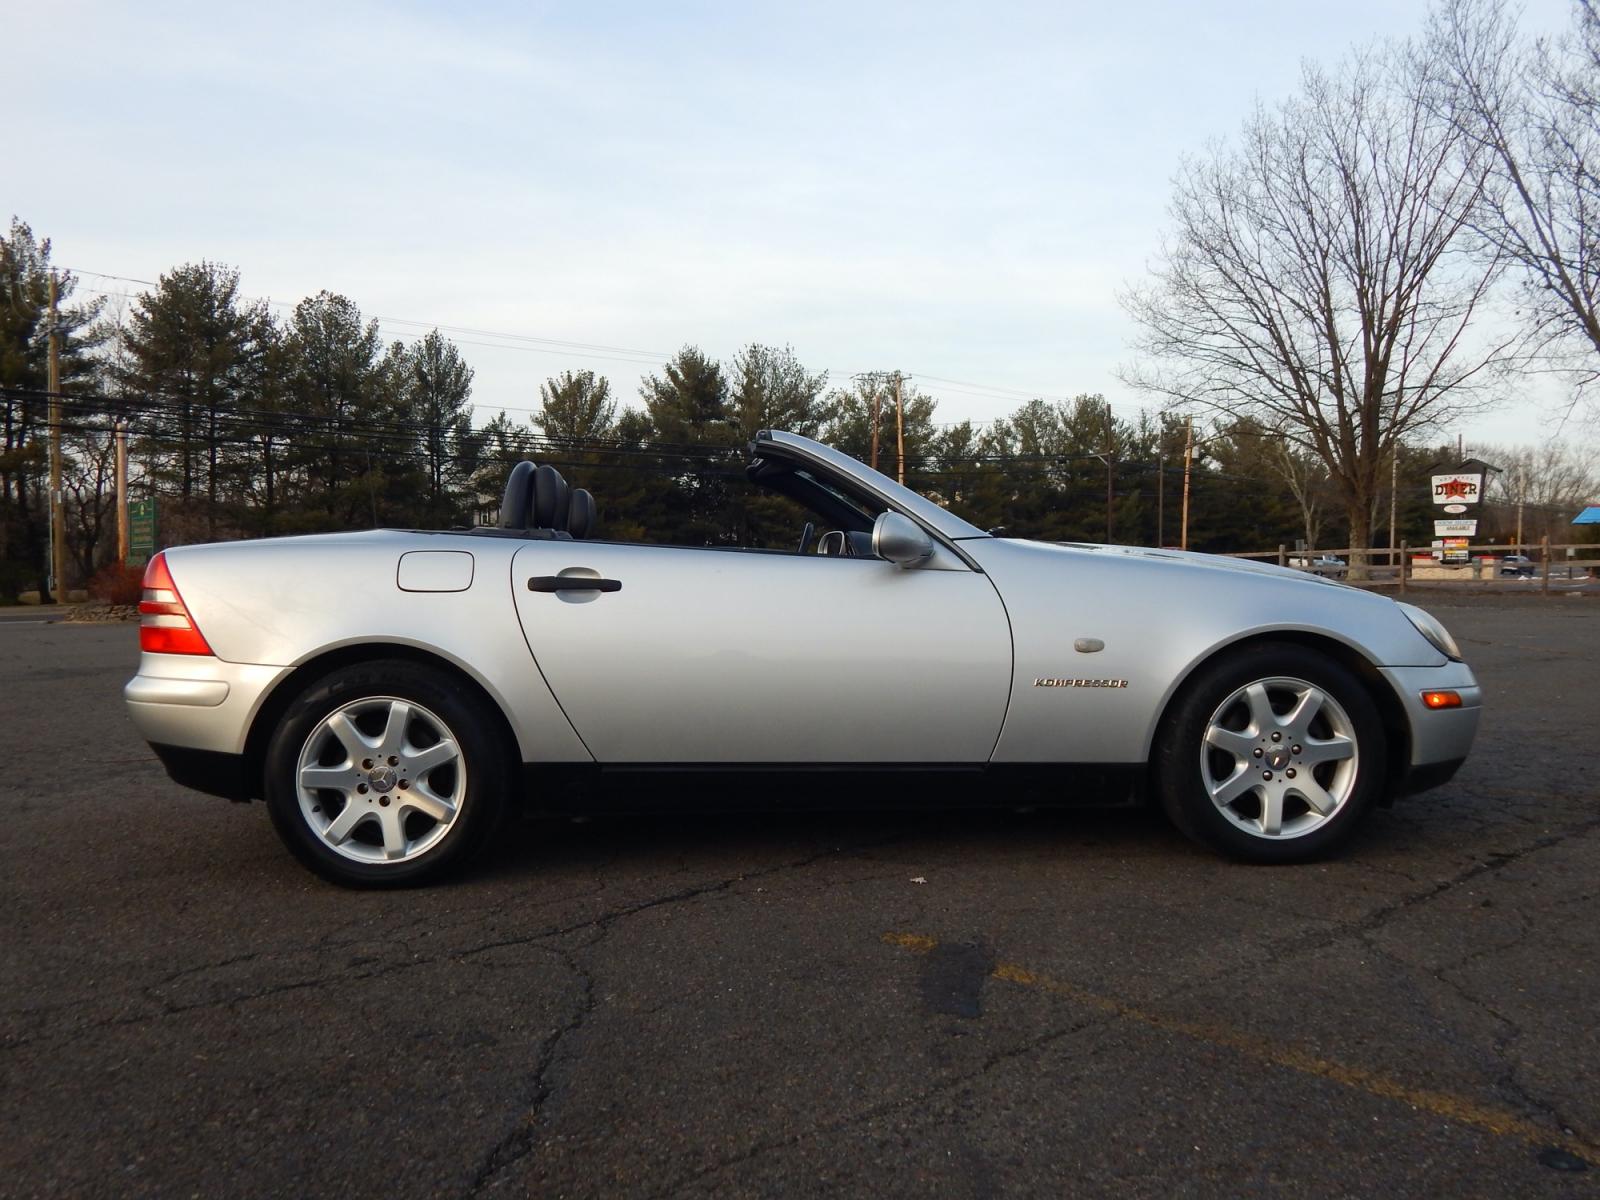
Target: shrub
[117, 584]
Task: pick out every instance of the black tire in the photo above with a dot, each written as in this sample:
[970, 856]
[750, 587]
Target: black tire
[480, 796]
[1180, 772]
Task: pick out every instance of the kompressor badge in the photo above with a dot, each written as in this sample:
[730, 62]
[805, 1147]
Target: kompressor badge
[1080, 683]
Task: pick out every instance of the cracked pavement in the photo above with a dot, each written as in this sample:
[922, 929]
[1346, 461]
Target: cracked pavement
[708, 1005]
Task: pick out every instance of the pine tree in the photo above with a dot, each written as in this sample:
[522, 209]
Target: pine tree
[24, 320]
[771, 390]
[337, 397]
[688, 402]
[436, 404]
[576, 406]
[189, 350]
[687, 405]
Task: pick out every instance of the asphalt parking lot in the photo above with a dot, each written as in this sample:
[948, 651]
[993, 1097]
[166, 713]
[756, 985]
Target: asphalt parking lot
[874, 1004]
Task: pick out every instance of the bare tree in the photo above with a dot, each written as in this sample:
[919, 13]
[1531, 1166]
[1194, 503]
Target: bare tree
[1317, 277]
[1307, 480]
[1532, 112]
[1539, 489]
[89, 486]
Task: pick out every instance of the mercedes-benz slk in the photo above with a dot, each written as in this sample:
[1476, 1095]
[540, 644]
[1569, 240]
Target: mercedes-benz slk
[392, 694]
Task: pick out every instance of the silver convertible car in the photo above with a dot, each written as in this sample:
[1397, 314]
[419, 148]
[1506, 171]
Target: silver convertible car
[393, 694]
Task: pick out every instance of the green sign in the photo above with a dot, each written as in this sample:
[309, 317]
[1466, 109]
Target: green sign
[141, 532]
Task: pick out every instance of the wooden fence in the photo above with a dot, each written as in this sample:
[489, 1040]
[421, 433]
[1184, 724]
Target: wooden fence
[1399, 567]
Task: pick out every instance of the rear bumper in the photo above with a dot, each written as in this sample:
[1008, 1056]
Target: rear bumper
[208, 771]
[196, 702]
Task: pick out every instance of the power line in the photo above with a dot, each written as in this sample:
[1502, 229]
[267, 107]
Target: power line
[597, 350]
[534, 345]
[155, 404]
[319, 433]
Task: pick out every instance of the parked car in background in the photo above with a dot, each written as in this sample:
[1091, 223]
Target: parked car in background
[1330, 565]
[392, 694]
[1517, 564]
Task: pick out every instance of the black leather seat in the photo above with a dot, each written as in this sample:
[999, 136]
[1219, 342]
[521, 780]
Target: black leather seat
[538, 500]
[516, 506]
[550, 496]
[580, 513]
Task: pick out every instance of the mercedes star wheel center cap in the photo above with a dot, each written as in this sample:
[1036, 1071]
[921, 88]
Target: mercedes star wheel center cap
[381, 778]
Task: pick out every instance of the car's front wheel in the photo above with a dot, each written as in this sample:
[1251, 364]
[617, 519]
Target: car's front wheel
[385, 773]
[1271, 754]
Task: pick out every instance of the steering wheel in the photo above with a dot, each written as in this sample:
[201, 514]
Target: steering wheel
[807, 536]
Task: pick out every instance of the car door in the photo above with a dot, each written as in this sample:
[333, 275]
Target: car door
[737, 656]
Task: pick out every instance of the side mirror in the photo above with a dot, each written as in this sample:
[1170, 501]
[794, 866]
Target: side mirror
[900, 540]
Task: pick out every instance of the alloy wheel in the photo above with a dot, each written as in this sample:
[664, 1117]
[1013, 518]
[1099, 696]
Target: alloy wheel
[380, 780]
[1280, 757]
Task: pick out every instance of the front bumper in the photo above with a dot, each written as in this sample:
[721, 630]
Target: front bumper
[1440, 737]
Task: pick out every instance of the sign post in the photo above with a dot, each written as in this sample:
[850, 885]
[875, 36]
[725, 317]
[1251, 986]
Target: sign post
[1462, 489]
[141, 532]
[1458, 495]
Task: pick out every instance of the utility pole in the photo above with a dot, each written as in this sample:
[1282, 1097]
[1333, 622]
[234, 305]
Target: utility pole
[1394, 482]
[1522, 494]
[875, 380]
[900, 427]
[1188, 462]
[1111, 484]
[58, 521]
[875, 418]
[1110, 461]
[1161, 501]
[122, 493]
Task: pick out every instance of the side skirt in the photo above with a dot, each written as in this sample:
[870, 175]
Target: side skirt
[711, 787]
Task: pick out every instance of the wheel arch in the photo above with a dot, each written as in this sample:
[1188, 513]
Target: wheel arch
[282, 694]
[1396, 726]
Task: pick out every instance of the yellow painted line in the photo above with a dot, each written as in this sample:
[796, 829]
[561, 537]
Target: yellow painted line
[1375, 1083]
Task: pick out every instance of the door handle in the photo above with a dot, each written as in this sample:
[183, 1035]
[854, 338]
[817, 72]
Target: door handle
[573, 583]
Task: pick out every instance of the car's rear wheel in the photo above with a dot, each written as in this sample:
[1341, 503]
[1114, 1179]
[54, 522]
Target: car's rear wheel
[1271, 754]
[386, 773]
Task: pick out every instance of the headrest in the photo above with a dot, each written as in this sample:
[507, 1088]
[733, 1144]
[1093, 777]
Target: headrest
[515, 507]
[580, 513]
[549, 498]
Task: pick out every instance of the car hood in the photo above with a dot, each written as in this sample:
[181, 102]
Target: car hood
[1188, 558]
[1174, 593]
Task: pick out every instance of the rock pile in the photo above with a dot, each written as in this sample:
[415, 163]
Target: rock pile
[100, 613]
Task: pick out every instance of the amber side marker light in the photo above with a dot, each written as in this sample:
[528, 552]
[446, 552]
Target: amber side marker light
[165, 626]
[1442, 699]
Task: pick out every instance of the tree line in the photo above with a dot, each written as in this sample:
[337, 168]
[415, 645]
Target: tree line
[1323, 305]
[245, 423]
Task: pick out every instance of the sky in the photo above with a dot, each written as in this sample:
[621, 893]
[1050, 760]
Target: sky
[956, 191]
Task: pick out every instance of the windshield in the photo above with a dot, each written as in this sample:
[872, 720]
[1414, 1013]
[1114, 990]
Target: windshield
[858, 478]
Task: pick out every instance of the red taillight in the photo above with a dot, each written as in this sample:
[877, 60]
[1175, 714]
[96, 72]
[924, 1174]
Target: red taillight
[165, 626]
[1442, 699]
